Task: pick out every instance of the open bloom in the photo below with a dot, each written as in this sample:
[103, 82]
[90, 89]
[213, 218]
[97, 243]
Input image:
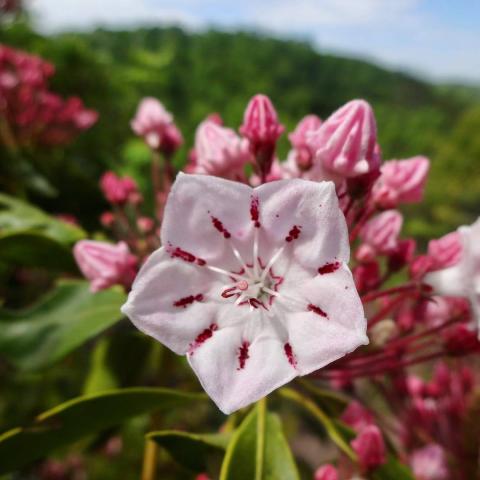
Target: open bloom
[105, 264]
[251, 284]
[220, 151]
[463, 278]
[401, 181]
[429, 463]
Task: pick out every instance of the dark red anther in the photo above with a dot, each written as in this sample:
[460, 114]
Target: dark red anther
[243, 355]
[229, 292]
[254, 212]
[293, 234]
[315, 309]
[290, 355]
[183, 302]
[255, 303]
[201, 262]
[329, 268]
[219, 226]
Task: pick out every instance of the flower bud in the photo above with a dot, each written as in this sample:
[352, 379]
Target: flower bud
[357, 416]
[366, 276]
[262, 129]
[105, 264]
[302, 153]
[382, 231]
[445, 251]
[370, 447]
[401, 181]
[117, 190]
[344, 145]
[107, 219]
[326, 472]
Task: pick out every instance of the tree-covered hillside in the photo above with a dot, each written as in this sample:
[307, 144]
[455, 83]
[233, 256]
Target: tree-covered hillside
[197, 73]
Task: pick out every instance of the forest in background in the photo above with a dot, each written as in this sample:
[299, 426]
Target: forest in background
[195, 74]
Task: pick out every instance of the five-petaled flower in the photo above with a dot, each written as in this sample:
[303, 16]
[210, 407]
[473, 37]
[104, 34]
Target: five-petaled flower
[251, 284]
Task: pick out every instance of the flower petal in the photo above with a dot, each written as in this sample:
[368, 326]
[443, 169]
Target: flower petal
[332, 323]
[171, 301]
[304, 216]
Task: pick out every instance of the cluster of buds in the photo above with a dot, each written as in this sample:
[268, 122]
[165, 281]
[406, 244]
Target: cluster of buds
[267, 256]
[30, 114]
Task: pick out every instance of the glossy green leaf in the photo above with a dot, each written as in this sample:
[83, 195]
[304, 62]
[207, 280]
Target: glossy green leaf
[100, 376]
[32, 249]
[393, 470]
[19, 216]
[34, 338]
[194, 451]
[80, 417]
[259, 450]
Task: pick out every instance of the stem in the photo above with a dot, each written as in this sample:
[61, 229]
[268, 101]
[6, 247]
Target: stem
[380, 315]
[369, 297]
[368, 212]
[260, 452]
[150, 458]
[156, 180]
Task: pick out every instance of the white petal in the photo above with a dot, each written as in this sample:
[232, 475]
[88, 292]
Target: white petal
[313, 208]
[163, 281]
[193, 204]
[217, 366]
[449, 281]
[336, 328]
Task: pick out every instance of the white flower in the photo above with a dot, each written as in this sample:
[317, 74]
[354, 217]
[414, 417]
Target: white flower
[463, 278]
[251, 284]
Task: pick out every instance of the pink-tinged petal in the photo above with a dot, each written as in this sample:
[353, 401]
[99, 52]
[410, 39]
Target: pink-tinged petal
[234, 380]
[200, 209]
[381, 232]
[327, 320]
[171, 301]
[305, 217]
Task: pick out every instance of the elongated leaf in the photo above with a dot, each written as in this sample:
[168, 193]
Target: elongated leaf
[192, 450]
[81, 417]
[34, 338]
[393, 470]
[259, 450]
[16, 215]
[32, 249]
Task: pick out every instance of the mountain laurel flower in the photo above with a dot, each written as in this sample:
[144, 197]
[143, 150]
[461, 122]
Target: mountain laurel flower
[429, 463]
[219, 151]
[117, 190]
[345, 144]
[262, 129]
[401, 181]
[380, 235]
[155, 124]
[370, 447]
[446, 251]
[302, 153]
[105, 264]
[326, 472]
[357, 416]
[251, 284]
[463, 278]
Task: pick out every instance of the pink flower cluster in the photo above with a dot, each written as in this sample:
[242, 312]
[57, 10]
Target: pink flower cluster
[30, 113]
[252, 278]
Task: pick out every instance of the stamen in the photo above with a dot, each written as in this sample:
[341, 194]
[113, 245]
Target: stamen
[255, 252]
[270, 264]
[240, 259]
[225, 272]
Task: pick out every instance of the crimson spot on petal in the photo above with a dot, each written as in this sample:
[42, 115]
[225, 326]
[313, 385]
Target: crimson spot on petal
[177, 252]
[243, 355]
[219, 226]
[202, 337]
[329, 268]
[254, 211]
[290, 355]
[293, 234]
[315, 309]
[183, 302]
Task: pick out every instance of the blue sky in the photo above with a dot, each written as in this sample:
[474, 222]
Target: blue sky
[438, 39]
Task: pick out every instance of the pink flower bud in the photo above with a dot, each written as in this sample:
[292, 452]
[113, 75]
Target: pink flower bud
[326, 472]
[429, 463]
[369, 447]
[344, 145]
[366, 276]
[220, 151]
[445, 252]
[155, 124]
[262, 129]
[105, 264]
[302, 154]
[107, 219]
[401, 255]
[382, 231]
[145, 224]
[401, 181]
[357, 416]
[460, 340]
[117, 190]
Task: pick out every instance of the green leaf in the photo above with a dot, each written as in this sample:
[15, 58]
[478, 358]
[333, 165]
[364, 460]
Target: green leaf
[100, 376]
[39, 336]
[194, 451]
[259, 450]
[393, 470]
[31, 249]
[19, 216]
[80, 417]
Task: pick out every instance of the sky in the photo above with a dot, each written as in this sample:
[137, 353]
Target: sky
[435, 39]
